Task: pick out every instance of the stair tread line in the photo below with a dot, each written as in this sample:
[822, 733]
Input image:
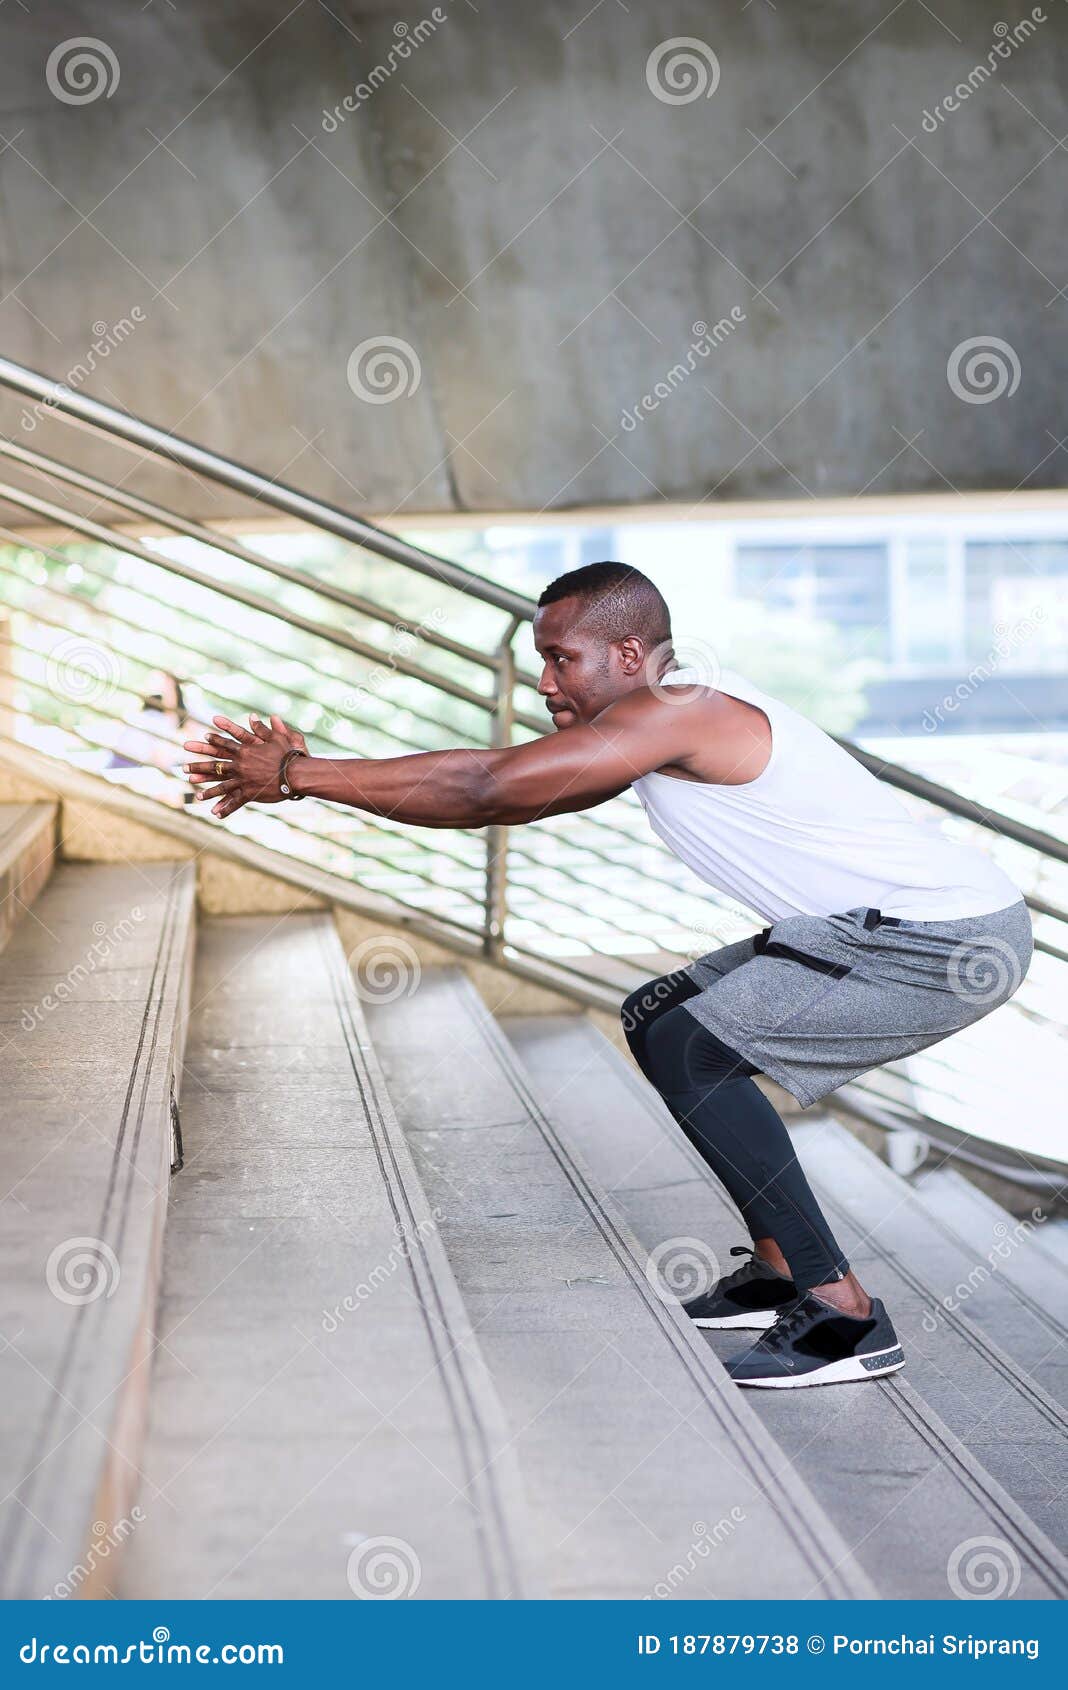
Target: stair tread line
[988, 1206]
[178, 893]
[946, 1230]
[1046, 1558]
[972, 1335]
[913, 1406]
[802, 1518]
[452, 1362]
[978, 1340]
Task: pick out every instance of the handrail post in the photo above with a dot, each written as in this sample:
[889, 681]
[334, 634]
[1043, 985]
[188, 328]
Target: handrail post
[497, 834]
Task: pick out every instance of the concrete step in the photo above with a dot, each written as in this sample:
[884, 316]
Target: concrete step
[646, 1472]
[991, 1362]
[1054, 1240]
[1040, 1271]
[93, 997]
[899, 1483]
[27, 853]
[1004, 1253]
[322, 1424]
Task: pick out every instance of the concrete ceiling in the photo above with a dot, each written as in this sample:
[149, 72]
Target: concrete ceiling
[513, 207]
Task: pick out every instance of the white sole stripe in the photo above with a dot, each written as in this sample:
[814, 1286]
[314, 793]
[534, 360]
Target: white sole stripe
[758, 1321]
[849, 1370]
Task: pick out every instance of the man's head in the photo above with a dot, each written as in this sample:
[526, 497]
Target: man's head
[601, 631]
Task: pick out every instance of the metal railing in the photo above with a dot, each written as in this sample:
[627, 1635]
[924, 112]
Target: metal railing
[159, 590]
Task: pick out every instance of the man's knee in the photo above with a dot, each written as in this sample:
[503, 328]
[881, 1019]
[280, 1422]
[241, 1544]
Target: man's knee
[648, 1003]
[681, 1053]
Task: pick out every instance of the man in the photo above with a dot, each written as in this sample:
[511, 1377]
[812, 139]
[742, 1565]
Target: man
[884, 936]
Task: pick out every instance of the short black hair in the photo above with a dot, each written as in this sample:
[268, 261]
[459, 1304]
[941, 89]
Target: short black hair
[617, 599]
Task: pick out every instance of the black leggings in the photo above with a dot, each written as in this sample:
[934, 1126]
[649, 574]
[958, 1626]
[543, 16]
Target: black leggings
[710, 1091]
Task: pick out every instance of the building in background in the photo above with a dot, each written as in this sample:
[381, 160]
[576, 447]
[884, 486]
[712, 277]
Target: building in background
[969, 606]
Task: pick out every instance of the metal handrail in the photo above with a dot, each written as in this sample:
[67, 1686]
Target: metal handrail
[518, 852]
[40, 464]
[131, 432]
[285, 819]
[257, 644]
[109, 420]
[252, 601]
[484, 702]
[852, 1100]
[579, 975]
[62, 517]
[956, 804]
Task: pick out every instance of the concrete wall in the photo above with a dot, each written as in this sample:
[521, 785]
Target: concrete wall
[542, 230]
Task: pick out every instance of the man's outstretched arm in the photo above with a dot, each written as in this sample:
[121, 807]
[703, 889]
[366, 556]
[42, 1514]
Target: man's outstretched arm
[571, 770]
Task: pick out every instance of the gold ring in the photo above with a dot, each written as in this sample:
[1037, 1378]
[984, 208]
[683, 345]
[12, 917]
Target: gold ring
[221, 770]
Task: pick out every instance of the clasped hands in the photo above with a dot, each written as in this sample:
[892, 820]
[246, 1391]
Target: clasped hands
[245, 762]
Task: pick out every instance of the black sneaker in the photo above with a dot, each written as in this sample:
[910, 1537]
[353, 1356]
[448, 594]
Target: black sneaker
[754, 1295]
[814, 1344]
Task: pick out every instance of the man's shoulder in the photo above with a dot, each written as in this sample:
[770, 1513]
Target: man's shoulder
[690, 730]
[660, 702]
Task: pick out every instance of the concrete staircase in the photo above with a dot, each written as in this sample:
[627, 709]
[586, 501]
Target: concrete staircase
[401, 1334]
[633, 1442]
[964, 1444]
[94, 984]
[319, 1388]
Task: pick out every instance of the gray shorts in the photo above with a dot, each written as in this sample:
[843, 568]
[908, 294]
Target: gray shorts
[813, 1001]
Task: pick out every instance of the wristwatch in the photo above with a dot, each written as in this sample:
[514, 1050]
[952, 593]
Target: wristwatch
[283, 785]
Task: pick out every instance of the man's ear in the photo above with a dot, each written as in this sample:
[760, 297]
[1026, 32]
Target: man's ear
[632, 654]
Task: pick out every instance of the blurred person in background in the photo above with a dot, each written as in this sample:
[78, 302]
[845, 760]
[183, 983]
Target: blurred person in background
[145, 747]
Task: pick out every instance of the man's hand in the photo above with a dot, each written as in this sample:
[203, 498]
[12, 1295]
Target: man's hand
[245, 762]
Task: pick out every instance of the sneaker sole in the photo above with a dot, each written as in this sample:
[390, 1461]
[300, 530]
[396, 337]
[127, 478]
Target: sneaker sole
[756, 1321]
[846, 1372]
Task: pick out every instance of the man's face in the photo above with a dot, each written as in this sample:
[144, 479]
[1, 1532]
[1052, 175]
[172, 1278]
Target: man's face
[578, 678]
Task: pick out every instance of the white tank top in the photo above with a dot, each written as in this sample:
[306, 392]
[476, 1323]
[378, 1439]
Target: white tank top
[815, 833]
